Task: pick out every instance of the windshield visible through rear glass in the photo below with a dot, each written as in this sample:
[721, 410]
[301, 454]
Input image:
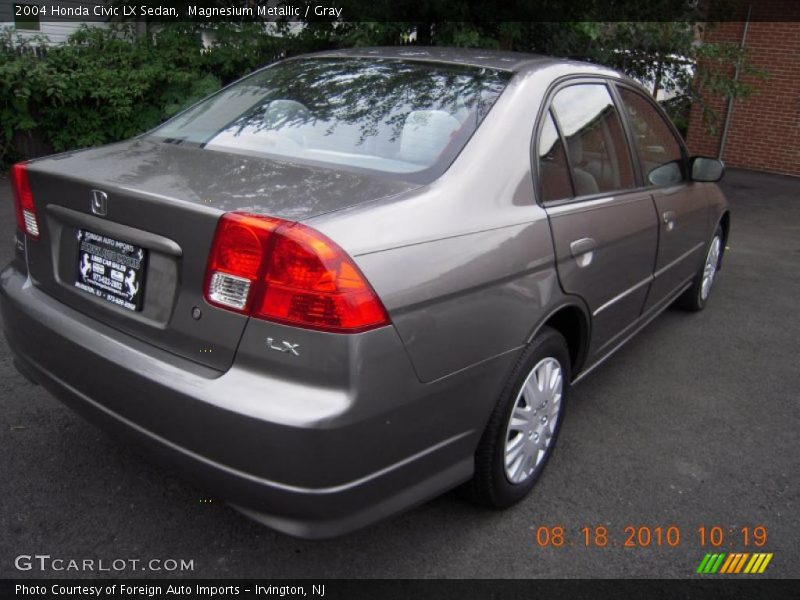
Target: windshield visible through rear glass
[379, 114]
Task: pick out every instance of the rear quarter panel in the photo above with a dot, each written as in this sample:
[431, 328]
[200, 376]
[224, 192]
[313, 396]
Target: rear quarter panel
[465, 266]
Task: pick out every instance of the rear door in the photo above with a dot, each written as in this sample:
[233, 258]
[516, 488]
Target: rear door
[604, 225]
[682, 212]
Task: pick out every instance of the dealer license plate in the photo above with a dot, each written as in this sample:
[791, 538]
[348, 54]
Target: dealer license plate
[111, 269]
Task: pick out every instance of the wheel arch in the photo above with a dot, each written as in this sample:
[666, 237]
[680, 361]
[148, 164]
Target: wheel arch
[571, 320]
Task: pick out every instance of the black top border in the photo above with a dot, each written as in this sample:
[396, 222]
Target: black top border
[412, 11]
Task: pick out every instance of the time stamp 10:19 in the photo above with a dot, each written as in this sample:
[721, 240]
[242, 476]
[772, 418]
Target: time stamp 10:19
[645, 536]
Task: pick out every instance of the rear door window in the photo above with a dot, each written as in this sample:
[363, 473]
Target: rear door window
[659, 150]
[598, 153]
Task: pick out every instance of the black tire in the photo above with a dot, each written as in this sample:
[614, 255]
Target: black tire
[490, 486]
[692, 299]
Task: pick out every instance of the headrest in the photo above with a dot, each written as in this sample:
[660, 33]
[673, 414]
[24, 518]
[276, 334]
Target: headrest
[425, 134]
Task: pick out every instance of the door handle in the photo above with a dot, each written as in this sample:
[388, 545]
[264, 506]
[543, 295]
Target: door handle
[583, 251]
[668, 217]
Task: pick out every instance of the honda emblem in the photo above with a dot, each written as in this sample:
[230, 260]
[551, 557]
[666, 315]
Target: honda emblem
[99, 203]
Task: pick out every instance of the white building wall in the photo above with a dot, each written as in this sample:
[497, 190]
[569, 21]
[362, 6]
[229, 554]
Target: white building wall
[57, 32]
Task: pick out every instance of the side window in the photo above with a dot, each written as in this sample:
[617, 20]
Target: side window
[598, 153]
[553, 175]
[659, 150]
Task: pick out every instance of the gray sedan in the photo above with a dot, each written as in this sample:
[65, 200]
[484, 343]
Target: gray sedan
[354, 280]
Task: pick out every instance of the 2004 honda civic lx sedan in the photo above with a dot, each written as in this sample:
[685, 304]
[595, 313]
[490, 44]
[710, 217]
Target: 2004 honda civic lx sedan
[354, 280]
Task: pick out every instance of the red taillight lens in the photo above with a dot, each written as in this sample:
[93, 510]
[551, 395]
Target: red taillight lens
[237, 256]
[311, 282]
[27, 220]
[290, 273]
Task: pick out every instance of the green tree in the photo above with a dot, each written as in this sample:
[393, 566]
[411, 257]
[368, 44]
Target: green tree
[665, 56]
[108, 84]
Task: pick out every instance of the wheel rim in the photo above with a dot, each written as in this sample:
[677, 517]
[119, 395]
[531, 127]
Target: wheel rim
[710, 268]
[532, 425]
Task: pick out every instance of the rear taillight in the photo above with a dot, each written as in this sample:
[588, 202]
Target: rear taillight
[286, 272]
[23, 201]
[237, 259]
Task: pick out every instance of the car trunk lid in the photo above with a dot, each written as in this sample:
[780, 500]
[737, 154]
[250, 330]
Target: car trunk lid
[166, 201]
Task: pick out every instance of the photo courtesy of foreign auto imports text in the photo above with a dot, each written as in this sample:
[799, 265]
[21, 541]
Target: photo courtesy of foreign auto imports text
[134, 590]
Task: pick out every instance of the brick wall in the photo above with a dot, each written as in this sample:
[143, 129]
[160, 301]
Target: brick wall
[764, 132]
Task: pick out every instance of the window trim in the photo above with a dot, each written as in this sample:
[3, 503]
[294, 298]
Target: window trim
[629, 138]
[684, 162]
[546, 106]
[557, 126]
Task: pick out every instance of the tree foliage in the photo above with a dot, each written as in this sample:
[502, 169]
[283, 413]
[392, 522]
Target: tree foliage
[108, 84]
[666, 56]
[104, 85]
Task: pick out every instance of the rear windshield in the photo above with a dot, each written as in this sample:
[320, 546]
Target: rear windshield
[396, 117]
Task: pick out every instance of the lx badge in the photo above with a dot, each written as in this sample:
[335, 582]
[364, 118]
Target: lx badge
[284, 347]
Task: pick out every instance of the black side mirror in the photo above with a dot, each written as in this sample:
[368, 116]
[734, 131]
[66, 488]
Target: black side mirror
[707, 169]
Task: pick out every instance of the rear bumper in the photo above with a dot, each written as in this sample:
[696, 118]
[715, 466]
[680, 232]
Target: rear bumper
[310, 461]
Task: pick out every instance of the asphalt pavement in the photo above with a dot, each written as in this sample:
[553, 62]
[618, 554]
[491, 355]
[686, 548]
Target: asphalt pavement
[694, 424]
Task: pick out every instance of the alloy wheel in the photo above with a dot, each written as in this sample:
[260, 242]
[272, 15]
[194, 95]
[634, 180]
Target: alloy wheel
[532, 425]
[710, 268]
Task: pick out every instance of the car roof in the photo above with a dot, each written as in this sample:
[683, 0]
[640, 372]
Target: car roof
[492, 59]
